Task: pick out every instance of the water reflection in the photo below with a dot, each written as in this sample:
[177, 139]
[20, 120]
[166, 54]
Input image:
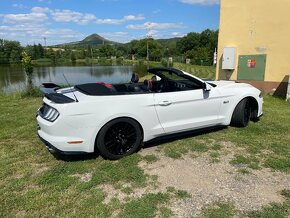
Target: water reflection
[12, 77]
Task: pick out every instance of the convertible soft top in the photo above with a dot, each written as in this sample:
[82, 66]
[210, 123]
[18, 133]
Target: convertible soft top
[96, 89]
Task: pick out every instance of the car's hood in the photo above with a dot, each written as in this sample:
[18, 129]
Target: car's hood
[228, 84]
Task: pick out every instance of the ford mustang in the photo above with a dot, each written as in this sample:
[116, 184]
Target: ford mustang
[116, 119]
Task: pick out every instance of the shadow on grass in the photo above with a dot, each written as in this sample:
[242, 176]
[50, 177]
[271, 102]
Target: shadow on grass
[183, 135]
[76, 157]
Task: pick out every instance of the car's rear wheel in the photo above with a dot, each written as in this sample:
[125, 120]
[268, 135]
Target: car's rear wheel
[242, 113]
[119, 138]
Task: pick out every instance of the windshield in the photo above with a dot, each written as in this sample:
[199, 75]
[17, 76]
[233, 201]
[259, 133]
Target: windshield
[179, 78]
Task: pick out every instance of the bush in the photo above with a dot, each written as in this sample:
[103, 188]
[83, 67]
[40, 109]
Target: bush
[164, 62]
[31, 92]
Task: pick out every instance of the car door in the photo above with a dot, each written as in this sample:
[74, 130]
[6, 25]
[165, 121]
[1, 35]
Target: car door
[186, 110]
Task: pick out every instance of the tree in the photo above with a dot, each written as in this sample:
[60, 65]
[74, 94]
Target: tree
[73, 57]
[40, 51]
[10, 51]
[50, 53]
[199, 56]
[89, 52]
[28, 67]
[107, 50]
[189, 42]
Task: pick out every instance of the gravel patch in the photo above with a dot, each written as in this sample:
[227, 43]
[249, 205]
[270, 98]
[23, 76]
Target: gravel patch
[209, 182]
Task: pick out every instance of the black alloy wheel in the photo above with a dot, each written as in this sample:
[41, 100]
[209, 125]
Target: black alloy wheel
[119, 138]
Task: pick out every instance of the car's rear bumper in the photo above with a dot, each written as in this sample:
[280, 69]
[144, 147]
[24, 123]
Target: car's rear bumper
[52, 149]
[62, 138]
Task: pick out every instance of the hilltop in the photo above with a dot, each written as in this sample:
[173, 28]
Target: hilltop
[93, 39]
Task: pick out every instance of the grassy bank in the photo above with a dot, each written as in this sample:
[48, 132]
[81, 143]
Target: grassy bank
[34, 183]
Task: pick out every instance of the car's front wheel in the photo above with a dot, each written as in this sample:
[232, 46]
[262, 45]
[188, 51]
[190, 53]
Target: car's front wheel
[242, 113]
[118, 138]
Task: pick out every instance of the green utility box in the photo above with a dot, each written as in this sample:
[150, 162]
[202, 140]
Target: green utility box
[252, 67]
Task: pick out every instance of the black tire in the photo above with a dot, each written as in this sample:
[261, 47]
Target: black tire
[242, 114]
[119, 138]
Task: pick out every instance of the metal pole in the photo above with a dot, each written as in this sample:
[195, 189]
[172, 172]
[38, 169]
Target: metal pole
[147, 51]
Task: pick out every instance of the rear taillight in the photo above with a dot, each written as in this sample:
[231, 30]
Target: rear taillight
[48, 113]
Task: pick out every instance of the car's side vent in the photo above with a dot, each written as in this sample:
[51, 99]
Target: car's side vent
[48, 113]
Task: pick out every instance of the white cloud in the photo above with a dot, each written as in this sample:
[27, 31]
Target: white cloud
[66, 16]
[21, 27]
[40, 10]
[177, 34]
[156, 11]
[133, 17]
[25, 18]
[201, 2]
[120, 21]
[153, 25]
[62, 33]
[47, 1]
[109, 21]
[69, 16]
[116, 36]
[35, 34]
[20, 6]
[41, 14]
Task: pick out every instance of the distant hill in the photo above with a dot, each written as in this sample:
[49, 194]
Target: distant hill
[93, 39]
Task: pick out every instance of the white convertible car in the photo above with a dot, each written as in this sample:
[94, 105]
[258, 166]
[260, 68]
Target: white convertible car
[115, 119]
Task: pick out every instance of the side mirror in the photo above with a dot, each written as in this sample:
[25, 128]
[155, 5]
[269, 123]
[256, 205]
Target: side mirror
[206, 87]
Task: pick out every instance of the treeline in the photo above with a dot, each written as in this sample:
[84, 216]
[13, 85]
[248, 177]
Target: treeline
[199, 47]
[10, 51]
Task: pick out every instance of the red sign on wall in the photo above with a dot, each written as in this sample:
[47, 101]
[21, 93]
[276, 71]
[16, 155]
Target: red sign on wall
[252, 63]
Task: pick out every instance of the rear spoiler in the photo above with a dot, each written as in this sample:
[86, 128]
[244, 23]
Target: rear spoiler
[49, 91]
[58, 98]
[47, 88]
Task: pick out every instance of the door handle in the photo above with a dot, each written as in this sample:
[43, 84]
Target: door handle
[165, 103]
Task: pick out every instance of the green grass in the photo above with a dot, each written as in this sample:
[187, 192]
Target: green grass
[178, 193]
[240, 160]
[215, 156]
[150, 158]
[244, 171]
[147, 206]
[219, 210]
[227, 210]
[33, 183]
[275, 210]
[205, 72]
[286, 194]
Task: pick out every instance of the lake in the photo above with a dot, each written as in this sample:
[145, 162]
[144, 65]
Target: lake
[13, 77]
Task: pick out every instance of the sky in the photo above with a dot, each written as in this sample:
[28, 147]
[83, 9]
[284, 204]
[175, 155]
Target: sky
[61, 21]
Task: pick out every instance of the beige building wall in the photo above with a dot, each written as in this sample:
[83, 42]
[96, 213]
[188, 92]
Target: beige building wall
[256, 27]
